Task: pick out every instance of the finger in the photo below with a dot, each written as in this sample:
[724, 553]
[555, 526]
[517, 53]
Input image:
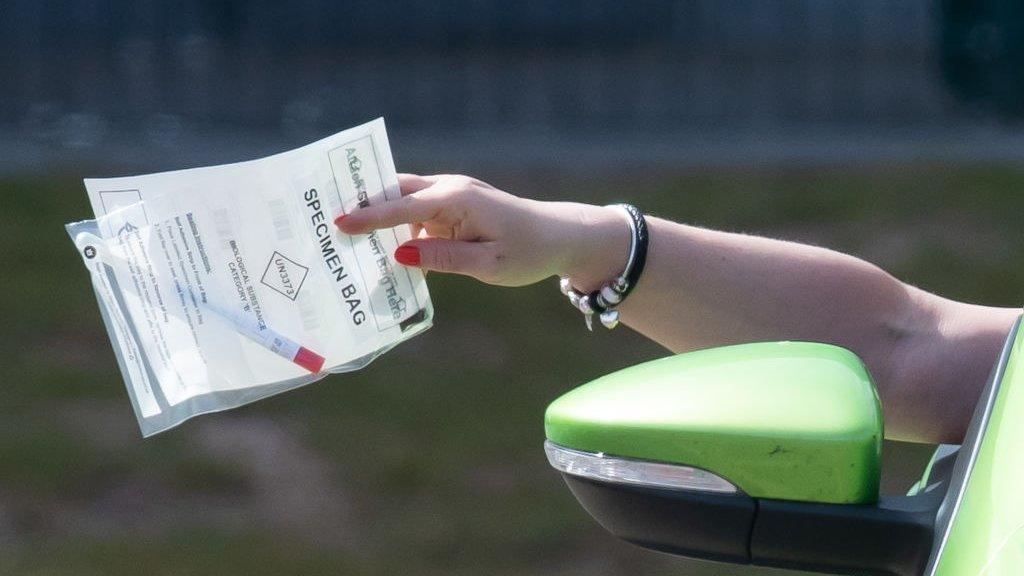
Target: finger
[477, 259]
[405, 210]
[411, 183]
[416, 229]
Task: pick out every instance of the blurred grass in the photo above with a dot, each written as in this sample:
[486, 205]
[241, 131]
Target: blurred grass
[194, 553]
[429, 461]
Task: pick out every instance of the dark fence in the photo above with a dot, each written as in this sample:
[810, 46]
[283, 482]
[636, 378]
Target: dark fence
[580, 64]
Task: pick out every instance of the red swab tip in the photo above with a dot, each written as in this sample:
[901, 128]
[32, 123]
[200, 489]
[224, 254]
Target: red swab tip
[309, 360]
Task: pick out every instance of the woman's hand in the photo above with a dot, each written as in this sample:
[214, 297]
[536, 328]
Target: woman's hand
[466, 226]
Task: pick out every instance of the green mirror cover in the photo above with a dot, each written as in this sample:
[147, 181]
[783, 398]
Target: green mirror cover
[783, 420]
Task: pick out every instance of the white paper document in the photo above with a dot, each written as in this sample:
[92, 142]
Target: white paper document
[226, 284]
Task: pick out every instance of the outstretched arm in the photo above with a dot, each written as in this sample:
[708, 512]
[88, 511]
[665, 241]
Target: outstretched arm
[929, 356]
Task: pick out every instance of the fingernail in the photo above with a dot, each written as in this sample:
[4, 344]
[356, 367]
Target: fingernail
[337, 221]
[408, 255]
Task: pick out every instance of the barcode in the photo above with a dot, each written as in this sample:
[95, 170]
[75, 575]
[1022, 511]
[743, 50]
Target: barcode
[279, 216]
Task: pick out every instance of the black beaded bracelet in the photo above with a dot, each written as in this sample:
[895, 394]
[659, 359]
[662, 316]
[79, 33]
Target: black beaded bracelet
[604, 300]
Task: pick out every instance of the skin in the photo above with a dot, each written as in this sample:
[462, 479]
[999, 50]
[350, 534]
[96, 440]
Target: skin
[929, 356]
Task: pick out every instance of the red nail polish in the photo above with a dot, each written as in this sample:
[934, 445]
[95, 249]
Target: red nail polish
[337, 221]
[408, 255]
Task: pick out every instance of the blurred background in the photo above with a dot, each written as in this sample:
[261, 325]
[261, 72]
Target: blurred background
[888, 129]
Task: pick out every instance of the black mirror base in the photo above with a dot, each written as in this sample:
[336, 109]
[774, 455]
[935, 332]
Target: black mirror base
[890, 538]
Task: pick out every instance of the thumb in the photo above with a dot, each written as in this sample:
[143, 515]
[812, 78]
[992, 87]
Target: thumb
[477, 259]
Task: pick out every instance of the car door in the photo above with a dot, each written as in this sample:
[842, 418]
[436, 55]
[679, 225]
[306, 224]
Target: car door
[980, 526]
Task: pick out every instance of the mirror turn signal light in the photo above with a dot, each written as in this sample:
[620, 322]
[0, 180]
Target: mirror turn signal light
[618, 470]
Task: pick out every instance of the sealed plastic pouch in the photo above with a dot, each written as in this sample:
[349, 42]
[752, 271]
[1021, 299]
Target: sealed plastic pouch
[220, 286]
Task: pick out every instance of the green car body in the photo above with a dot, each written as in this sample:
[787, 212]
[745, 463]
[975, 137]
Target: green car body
[786, 437]
[986, 532]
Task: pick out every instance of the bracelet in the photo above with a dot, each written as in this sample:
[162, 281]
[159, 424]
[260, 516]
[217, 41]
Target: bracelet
[604, 300]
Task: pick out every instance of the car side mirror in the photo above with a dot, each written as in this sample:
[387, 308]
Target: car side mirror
[765, 453]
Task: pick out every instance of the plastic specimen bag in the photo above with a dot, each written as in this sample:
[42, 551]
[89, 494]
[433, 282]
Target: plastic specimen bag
[223, 285]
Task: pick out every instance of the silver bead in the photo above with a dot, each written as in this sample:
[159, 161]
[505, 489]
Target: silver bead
[585, 305]
[610, 318]
[589, 317]
[610, 295]
[565, 285]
